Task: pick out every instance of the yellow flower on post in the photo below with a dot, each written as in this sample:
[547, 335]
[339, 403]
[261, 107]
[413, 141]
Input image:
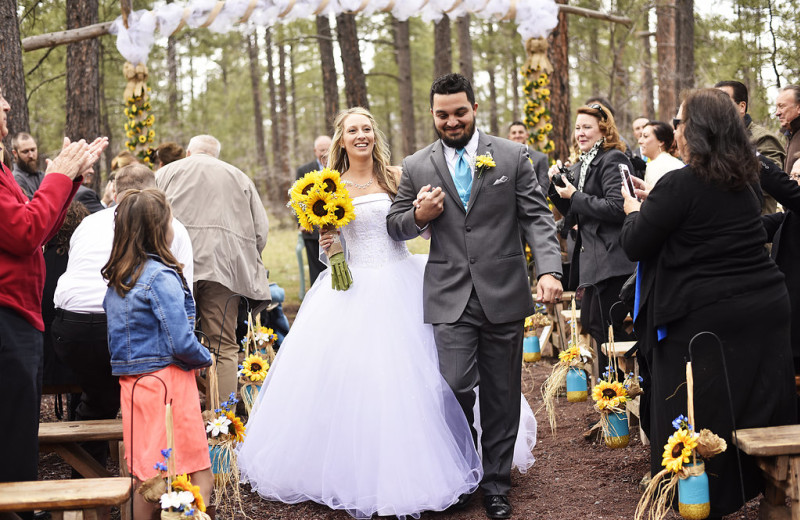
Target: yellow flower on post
[609, 395]
[142, 139]
[255, 368]
[678, 449]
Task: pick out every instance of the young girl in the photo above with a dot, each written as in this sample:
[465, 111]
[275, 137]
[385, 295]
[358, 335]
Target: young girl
[151, 334]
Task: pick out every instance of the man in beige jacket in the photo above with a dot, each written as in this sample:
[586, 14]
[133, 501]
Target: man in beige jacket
[228, 226]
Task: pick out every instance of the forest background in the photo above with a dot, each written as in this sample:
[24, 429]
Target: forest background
[267, 92]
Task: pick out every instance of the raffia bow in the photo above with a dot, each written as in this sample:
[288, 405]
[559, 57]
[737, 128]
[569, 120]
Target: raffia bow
[137, 80]
[536, 48]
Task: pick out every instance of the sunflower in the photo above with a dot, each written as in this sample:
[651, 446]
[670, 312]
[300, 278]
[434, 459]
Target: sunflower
[678, 449]
[302, 219]
[609, 395]
[236, 425]
[342, 209]
[255, 368]
[318, 208]
[303, 186]
[182, 483]
[569, 355]
[330, 181]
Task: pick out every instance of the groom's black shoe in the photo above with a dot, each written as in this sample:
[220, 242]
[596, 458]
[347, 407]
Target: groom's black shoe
[461, 503]
[497, 506]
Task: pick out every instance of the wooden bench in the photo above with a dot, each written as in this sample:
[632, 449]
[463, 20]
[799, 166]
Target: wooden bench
[87, 497]
[777, 452]
[64, 438]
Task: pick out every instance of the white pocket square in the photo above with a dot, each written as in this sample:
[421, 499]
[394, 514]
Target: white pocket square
[501, 180]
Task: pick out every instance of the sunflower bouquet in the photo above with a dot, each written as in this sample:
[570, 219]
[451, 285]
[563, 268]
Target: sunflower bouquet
[683, 468]
[569, 371]
[178, 497]
[320, 200]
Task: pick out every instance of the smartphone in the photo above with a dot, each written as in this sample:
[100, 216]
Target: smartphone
[627, 183]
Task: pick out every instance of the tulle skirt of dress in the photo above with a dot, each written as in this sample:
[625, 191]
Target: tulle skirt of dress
[354, 413]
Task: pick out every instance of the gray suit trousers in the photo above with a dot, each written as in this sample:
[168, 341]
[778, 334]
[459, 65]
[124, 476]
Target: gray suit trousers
[475, 351]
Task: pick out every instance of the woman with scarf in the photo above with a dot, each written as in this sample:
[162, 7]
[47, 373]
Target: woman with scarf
[592, 200]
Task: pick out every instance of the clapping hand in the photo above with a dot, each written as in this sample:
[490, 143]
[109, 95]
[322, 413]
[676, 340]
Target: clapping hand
[76, 157]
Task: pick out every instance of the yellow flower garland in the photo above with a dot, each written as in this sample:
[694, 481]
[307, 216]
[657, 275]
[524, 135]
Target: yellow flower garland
[537, 115]
[138, 127]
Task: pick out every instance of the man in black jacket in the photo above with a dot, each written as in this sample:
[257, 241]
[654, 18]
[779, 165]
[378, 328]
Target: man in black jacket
[321, 146]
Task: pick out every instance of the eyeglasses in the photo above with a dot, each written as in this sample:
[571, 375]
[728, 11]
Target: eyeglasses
[603, 115]
[675, 123]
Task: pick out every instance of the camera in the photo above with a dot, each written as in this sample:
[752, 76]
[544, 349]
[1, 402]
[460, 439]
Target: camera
[563, 173]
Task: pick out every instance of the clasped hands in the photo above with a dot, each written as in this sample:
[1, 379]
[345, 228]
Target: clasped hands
[77, 157]
[428, 205]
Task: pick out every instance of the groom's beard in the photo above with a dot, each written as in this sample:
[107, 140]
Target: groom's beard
[457, 142]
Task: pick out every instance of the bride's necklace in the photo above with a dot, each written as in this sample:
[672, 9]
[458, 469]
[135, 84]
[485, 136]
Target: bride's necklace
[361, 186]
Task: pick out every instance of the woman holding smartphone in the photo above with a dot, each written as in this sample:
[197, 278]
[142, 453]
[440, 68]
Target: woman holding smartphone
[703, 268]
[593, 200]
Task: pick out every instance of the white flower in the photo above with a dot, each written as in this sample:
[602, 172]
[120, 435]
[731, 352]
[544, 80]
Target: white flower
[171, 500]
[186, 498]
[218, 425]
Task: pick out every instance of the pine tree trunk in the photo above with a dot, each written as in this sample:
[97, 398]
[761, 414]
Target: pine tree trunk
[646, 69]
[293, 104]
[273, 186]
[172, 84]
[83, 78]
[493, 124]
[284, 171]
[684, 44]
[464, 48]
[355, 83]
[258, 118]
[330, 88]
[442, 48]
[12, 75]
[665, 41]
[558, 52]
[405, 91]
[514, 76]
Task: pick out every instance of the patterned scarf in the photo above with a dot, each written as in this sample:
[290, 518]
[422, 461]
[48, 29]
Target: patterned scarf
[586, 159]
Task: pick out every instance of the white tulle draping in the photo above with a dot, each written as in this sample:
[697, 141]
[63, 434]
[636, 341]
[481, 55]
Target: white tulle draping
[534, 18]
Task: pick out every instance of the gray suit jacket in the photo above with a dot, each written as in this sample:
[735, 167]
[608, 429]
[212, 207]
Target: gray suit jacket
[540, 166]
[479, 247]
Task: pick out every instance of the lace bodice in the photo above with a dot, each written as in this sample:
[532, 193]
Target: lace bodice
[367, 242]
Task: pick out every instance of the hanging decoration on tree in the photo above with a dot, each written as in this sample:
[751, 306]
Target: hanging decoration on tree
[537, 70]
[139, 126]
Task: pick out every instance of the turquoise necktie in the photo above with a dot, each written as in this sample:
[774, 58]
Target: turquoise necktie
[463, 177]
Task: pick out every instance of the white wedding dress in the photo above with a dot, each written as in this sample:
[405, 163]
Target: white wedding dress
[354, 413]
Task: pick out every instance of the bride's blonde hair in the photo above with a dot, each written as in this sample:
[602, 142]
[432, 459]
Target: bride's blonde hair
[337, 157]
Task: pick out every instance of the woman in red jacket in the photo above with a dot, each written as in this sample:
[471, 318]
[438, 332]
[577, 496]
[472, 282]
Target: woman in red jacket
[24, 227]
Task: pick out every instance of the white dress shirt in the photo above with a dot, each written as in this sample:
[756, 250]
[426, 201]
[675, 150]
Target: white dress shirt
[82, 288]
[470, 153]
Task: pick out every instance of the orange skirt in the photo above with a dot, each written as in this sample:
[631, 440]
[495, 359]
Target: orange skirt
[144, 422]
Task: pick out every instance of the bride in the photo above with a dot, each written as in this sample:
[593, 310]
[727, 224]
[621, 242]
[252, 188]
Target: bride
[354, 413]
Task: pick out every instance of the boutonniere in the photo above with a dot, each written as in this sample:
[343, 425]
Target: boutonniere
[484, 162]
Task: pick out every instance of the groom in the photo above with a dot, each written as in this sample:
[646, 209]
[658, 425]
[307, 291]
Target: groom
[476, 290]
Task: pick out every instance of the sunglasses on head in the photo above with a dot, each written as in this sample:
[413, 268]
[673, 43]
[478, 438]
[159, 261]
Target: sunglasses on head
[603, 115]
[675, 123]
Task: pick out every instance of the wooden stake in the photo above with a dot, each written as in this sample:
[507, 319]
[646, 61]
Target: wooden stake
[690, 394]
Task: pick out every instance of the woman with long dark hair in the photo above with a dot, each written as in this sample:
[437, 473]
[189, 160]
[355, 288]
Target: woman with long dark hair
[703, 267]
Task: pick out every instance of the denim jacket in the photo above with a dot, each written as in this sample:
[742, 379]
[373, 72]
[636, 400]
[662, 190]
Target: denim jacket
[148, 329]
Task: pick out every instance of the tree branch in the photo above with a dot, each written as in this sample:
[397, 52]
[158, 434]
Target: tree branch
[43, 83]
[46, 54]
[590, 13]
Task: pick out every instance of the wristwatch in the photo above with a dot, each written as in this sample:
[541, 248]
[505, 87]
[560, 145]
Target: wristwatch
[554, 274]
